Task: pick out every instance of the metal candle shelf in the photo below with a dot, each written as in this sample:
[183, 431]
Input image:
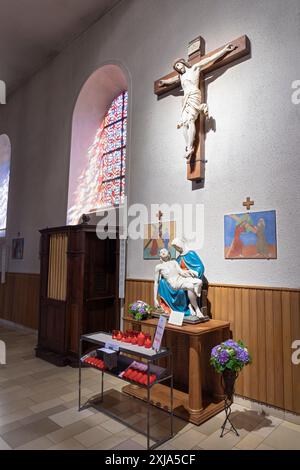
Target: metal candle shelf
[148, 355]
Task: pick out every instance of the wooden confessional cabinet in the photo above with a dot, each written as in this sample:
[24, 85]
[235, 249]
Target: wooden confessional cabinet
[78, 289]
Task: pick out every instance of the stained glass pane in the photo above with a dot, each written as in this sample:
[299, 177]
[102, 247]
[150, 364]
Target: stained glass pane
[110, 193]
[112, 137]
[123, 161]
[112, 148]
[115, 111]
[124, 131]
[122, 190]
[125, 103]
[111, 165]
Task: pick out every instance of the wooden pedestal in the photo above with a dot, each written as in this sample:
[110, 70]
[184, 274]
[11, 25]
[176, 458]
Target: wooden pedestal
[197, 387]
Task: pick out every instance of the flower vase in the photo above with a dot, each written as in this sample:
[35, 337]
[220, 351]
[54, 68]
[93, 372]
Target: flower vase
[228, 382]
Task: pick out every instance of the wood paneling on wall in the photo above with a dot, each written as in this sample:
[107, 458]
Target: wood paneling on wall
[268, 321]
[19, 299]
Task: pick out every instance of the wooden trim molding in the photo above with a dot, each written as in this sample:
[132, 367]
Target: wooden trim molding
[268, 321]
[19, 299]
[236, 286]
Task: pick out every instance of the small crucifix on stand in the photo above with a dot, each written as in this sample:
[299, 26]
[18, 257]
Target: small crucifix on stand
[191, 76]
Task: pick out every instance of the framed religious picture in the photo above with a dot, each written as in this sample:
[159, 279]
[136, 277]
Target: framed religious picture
[17, 248]
[250, 235]
[157, 236]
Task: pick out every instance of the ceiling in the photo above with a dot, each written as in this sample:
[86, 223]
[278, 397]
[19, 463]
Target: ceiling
[34, 31]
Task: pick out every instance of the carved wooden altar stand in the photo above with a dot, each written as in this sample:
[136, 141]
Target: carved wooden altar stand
[197, 387]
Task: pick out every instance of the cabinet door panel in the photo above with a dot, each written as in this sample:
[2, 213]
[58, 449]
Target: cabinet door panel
[52, 326]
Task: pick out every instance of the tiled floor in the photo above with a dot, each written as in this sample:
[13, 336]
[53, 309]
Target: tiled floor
[38, 410]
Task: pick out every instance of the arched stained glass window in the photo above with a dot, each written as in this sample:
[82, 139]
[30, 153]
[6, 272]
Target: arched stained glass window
[113, 153]
[101, 183]
[5, 151]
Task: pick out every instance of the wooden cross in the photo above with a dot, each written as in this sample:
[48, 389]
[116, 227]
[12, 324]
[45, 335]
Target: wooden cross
[248, 203]
[196, 164]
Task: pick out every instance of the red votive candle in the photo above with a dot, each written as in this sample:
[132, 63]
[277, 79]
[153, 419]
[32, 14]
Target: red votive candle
[141, 339]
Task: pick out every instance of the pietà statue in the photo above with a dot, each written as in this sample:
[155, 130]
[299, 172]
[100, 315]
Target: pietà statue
[178, 282]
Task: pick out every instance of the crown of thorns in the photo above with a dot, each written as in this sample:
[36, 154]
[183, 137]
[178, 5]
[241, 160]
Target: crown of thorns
[181, 61]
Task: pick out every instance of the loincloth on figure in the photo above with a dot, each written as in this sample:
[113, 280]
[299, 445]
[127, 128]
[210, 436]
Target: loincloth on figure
[180, 282]
[191, 107]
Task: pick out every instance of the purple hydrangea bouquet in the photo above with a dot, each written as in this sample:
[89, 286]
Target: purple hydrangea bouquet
[139, 310]
[232, 355]
[228, 359]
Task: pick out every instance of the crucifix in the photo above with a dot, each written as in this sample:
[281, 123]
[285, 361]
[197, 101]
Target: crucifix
[191, 76]
[153, 236]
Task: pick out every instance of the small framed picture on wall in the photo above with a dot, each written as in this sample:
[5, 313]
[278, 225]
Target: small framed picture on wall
[250, 235]
[17, 251]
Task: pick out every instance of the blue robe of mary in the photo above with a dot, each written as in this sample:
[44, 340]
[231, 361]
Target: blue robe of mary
[178, 299]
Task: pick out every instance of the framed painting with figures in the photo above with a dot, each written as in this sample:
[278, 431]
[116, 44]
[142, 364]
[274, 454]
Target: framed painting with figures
[157, 236]
[250, 235]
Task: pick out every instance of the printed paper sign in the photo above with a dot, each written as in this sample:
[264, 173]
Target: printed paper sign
[176, 318]
[159, 333]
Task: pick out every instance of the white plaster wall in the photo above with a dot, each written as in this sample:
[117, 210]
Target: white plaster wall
[254, 151]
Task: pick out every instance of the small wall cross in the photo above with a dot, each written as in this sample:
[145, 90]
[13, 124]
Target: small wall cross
[248, 203]
[159, 216]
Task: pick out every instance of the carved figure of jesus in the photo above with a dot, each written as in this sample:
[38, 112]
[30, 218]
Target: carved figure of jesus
[178, 278]
[192, 104]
